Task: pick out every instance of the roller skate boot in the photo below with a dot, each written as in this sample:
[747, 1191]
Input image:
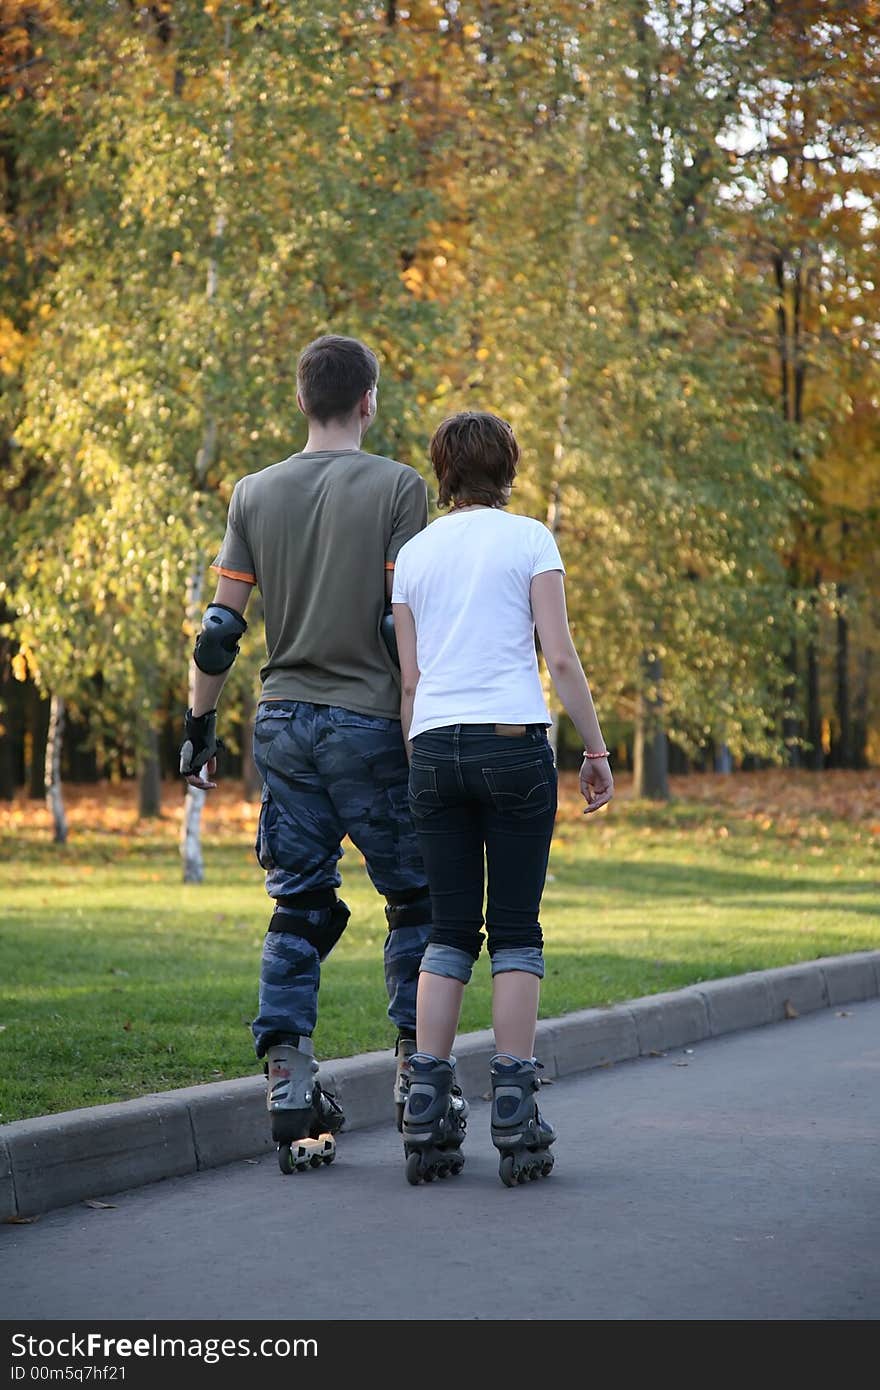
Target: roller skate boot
[403, 1050]
[434, 1120]
[304, 1116]
[519, 1131]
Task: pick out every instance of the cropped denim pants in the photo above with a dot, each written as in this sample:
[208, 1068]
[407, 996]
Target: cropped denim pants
[484, 805]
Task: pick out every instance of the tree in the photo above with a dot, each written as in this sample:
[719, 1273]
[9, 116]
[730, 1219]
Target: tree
[207, 234]
[805, 173]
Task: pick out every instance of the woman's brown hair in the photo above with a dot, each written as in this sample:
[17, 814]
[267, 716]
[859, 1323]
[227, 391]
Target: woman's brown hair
[475, 455]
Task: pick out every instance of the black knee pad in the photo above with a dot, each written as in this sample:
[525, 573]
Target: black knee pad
[409, 909]
[295, 914]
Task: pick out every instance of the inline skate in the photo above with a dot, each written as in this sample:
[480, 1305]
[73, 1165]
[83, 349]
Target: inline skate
[519, 1132]
[305, 1117]
[434, 1119]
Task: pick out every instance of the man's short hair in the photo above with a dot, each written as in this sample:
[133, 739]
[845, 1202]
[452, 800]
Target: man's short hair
[332, 375]
[474, 456]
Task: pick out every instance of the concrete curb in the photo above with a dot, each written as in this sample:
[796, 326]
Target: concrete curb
[56, 1160]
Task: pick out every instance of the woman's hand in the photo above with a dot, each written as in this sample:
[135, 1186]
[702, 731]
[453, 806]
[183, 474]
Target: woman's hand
[597, 783]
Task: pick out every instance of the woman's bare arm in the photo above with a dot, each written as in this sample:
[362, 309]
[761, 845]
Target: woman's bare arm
[405, 632]
[570, 682]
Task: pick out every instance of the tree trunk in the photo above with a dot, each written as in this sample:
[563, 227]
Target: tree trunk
[860, 710]
[54, 798]
[560, 446]
[844, 748]
[815, 758]
[191, 836]
[791, 385]
[791, 724]
[723, 759]
[7, 757]
[250, 777]
[7, 770]
[38, 720]
[150, 777]
[7, 718]
[191, 829]
[651, 753]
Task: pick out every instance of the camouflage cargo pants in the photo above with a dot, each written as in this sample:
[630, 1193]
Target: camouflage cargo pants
[328, 772]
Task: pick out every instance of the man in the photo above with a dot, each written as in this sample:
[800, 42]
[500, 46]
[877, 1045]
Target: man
[318, 534]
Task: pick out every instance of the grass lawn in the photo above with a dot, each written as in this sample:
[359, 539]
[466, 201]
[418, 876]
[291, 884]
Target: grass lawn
[116, 979]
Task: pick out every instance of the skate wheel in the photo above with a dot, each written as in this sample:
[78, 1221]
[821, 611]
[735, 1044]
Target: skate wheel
[534, 1172]
[547, 1167]
[507, 1171]
[456, 1167]
[315, 1161]
[328, 1158]
[412, 1170]
[285, 1159]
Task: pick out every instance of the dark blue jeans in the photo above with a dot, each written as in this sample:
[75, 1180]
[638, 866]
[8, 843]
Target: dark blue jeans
[477, 796]
[328, 772]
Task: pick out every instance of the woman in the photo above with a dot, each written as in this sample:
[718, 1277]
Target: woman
[469, 592]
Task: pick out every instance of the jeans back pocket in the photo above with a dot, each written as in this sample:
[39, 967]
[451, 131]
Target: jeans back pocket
[423, 791]
[524, 789]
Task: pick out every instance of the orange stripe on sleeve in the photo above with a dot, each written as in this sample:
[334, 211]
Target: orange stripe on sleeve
[389, 564]
[235, 574]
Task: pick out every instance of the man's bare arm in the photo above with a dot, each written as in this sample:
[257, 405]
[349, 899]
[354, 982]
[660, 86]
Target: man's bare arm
[232, 593]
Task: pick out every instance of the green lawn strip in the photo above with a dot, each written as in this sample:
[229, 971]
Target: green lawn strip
[116, 979]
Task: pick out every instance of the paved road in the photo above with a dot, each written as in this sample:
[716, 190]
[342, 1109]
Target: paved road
[737, 1181]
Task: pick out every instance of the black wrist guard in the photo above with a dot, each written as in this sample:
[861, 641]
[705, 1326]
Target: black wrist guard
[200, 741]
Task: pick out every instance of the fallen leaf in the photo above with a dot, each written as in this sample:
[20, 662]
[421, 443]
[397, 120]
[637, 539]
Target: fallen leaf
[655, 1053]
[99, 1206]
[789, 1010]
[844, 1013]
[21, 1220]
[681, 1064]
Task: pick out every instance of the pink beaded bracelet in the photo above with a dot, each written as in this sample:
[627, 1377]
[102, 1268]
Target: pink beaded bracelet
[588, 754]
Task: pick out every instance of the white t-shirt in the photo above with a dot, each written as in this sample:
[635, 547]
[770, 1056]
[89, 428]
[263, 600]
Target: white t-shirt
[466, 580]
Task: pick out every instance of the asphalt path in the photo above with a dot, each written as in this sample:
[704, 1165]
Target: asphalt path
[734, 1180]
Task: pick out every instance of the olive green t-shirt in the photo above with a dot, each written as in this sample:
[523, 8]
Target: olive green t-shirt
[317, 534]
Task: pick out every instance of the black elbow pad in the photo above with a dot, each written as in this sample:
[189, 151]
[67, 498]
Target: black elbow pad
[217, 644]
